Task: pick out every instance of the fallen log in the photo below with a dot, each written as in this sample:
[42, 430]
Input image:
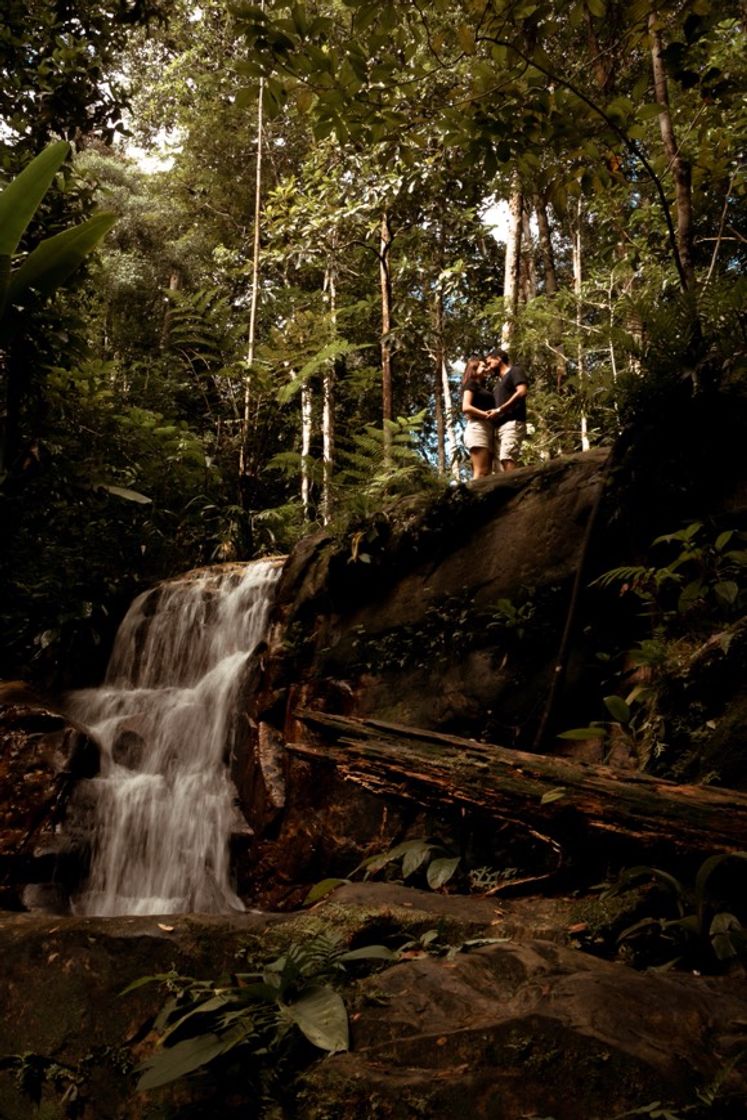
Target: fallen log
[557, 797]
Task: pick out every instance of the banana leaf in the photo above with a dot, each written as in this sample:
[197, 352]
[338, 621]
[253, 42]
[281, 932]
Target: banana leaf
[19, 200]
[56, 258]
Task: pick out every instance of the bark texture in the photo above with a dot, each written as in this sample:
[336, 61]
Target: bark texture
[556, 796]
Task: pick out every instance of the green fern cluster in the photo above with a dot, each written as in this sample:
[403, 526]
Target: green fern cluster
[258, 1015]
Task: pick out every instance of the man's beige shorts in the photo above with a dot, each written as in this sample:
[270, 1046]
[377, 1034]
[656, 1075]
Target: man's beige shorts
[509, 438]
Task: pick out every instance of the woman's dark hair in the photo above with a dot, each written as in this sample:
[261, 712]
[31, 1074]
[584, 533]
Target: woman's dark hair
[470, 369]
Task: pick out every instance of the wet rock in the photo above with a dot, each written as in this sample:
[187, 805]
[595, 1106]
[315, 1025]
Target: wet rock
[128, 749]
[42, 757]
[61, 1005]
[504, 1030]
[510, 1031]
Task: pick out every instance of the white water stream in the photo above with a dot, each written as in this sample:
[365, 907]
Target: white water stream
[166, 718]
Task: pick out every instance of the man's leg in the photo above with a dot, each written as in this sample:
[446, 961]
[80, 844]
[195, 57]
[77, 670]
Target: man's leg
[510, 438]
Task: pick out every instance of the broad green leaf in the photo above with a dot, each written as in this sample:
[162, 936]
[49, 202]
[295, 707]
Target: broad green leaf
[20, 199]
[370, 953]
[304, 98]
[617, 708]
[123, 492]
[707, 868]
[466, 38]
[690, 594]
[726, 591]
[184, 1057]
[321, 1016]
[375, 863]
[322, 889]
[440, 871]
[553, 795]
[52, 262]
[584, 733]
[208, 1007]
[143, 980]
[650, 109]
[597, 8]
[726, 929]
[415, 858]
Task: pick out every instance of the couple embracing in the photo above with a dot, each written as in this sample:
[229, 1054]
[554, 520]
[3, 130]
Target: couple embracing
[496, 417]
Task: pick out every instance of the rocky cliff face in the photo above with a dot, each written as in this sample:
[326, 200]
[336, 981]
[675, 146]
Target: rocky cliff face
[450, 613]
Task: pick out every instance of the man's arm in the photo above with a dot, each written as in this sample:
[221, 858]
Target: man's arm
[520, 391]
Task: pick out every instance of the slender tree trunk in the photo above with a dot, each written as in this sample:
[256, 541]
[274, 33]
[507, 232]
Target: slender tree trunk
[513, 262]
[328, 405]
[680, 167]
[528, 271]
[551, 286]
[545, 245]
[307, 402]
[580, 357]
[439, 360]
[175, 283]
[451, 436]
[244, 444]
[385, 277]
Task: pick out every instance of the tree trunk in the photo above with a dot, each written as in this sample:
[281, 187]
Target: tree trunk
[590, 805]
[243, 447]
[545, 245]
[451, 437]
[513, 262]
[438, 362]
[580, 357]
[551, 286]
[680, 167]
[445, 428]
[175, 283]
[306, 417]
[328, 405]
[528, 271]
[385, 277]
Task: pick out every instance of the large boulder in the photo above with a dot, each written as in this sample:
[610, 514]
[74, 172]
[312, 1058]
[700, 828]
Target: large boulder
[445, 614]
[510, 1031]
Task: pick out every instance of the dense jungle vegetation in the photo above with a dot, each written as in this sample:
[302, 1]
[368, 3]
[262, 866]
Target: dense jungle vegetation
[269, 336]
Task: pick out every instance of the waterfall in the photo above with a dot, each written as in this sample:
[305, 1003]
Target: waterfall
[167, 717]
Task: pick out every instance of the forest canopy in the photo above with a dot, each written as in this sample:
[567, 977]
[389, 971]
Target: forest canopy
[271, 335]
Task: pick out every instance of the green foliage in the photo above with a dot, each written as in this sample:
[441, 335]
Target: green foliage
[707, 572]
[380, 464]
[55, 258]
[703, 932]
[686, 599]
[413, 856]
[428, 859]
[255, 1016]
[449, 628]
[425, 862]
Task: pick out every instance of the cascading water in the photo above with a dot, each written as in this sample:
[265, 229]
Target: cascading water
[166, 718]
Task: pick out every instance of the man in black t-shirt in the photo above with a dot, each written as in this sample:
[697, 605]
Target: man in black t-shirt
[510, 413]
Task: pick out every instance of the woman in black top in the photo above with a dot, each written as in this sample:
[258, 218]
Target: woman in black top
[478, 405]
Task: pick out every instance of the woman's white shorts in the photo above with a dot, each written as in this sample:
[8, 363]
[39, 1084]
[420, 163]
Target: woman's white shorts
[479, 433]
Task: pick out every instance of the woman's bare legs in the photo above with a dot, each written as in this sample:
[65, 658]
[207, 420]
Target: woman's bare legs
[482, 461]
